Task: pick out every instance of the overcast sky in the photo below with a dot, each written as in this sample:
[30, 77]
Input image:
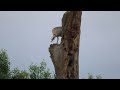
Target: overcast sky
[26, 35]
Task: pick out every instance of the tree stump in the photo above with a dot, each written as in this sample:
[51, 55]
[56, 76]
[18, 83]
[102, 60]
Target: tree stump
[65, 56]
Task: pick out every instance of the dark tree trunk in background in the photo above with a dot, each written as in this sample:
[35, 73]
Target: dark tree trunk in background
[65, 56]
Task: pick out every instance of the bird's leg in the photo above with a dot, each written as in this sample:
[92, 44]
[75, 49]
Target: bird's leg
[52, 39]
[57, 40]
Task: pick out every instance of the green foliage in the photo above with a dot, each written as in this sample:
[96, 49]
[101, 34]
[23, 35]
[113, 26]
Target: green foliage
[90, 76]
[40, 72]
[17, 74]
[35, 71]
[98, 77]
[4, 65]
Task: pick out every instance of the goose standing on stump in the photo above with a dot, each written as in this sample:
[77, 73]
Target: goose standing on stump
[57, 32]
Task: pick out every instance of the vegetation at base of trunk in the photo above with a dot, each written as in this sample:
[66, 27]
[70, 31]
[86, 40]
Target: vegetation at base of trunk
[35, 71]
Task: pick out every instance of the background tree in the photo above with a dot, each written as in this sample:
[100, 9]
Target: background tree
[35, 71]
[4, 65]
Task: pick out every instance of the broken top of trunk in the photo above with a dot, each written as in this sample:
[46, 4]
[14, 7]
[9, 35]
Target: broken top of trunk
[65, 56]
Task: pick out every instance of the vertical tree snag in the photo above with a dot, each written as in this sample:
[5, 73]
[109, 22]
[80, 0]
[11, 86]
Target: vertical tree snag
[65, 56]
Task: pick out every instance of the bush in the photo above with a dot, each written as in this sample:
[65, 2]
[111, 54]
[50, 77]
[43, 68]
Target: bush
[40, 72]
[17, 74]
[90, 76]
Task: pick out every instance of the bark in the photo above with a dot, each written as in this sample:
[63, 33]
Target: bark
[65, 56]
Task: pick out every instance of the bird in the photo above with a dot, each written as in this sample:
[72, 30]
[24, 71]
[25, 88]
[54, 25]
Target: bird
[57, 32]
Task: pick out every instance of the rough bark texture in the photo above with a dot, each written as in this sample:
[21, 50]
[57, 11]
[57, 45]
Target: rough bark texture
[65, 56]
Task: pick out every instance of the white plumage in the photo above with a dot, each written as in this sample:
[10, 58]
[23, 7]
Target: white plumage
[57, 32]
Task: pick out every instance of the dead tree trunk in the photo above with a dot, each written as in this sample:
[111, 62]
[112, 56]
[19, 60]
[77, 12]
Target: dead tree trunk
[65, 56]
